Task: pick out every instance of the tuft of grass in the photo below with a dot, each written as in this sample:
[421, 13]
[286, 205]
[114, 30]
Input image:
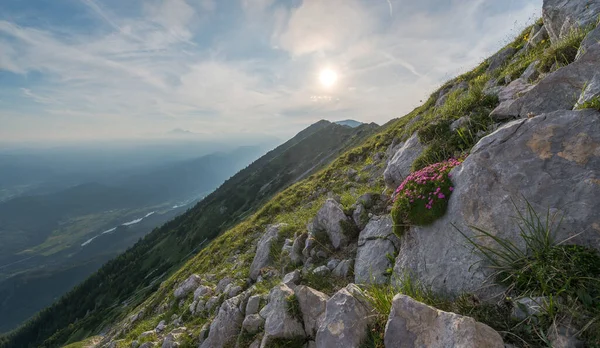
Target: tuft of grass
[567, 275]
[564, 51]
[299, 342]
[293, 307]
[375, 334]
[593, 103]
[328, 284]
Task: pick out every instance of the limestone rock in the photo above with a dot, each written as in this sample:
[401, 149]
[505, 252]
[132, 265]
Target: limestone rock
[499, 59]
[552, 160]
[188, 286]
[399, 166]
[321, 271]
[591, 39]
[375, 242]
[360, 216]
[312, 304]
[328, 220]
[292, 279]
[346, 320]
[253, 304]
[343, 269]
[263, 250]
[253, 323]
[462, 121]
[564, 337]
[222, 285]
[592, 90]
[562, 16]
[226, 325]
[202, 291]
[528, 306]
[296, 253]
[531, 73]
[414, 324]
[279, 322]
[161, 326]
[559, 90]
[332, 264]
[538, 37]
[170, 341]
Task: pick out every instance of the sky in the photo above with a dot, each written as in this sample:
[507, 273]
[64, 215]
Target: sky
[126, 69]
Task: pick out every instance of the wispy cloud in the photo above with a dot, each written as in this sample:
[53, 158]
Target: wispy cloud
[118, 69]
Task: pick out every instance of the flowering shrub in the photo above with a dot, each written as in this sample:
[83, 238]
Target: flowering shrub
[423, 195]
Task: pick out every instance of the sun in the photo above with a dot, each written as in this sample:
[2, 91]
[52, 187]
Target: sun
[328, 77]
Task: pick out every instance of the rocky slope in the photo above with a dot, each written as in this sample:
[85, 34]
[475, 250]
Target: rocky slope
[324, 264]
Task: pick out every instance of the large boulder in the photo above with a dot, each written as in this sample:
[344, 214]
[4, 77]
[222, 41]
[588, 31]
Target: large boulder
[188, 285]
[347, 317]
[562, 16]
[592, 38]
[226, 326]
[552, 160]
[399, 166]
[263, 258]
[375, 243]
[280, 323]
[329, 221]
[414, 324]
[559, 90]
[312, 304]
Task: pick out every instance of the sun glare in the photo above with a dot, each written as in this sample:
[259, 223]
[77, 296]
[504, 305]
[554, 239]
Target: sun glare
[328, 77]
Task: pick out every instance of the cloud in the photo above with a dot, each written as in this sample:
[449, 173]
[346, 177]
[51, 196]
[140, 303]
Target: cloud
[232, 67]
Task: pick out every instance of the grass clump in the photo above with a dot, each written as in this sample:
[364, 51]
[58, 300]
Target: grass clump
[328, 284]
[567, 275]
[299, 342]
[564, 51]
[293, 306]
[593, 103]
[423, 196]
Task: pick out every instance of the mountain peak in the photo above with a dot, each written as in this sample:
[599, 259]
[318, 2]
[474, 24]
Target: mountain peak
[349, 123]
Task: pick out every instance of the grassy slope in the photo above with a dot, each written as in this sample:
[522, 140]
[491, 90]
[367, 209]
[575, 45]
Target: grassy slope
[133, 275]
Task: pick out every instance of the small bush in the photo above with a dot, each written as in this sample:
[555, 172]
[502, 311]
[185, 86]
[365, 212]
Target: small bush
[423, 196]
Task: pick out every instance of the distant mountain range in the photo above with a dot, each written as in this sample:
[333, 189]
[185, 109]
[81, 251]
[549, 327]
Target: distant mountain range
[349, 123]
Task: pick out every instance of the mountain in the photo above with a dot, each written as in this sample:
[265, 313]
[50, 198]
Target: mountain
[76, 230]
[334, 261]
[349, 123]
[168, 247]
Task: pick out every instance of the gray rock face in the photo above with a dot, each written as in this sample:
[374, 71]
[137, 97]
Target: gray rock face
[552, 160]
[226, 325]
[328, 220]
[170, 341]
[563, 337]
[414, 324]
[343, 268]
[253, 304]
[592, 90]
[187, 286]
[399, 166]
[498, 60]
[538, 37]
[559, 90]
[279, 322]
[223, 284]
[332, 264]
[591, 39]
[292, 279]
[253, 323]
[562, 16]
[375, 242]
[346, 320]
[202, 291]
[312, 304]
[161, 326]
[528, 306]
[360, 216]
[263, 250]
[321, 271]
[531, 73]
[459, 123]
[296, 256]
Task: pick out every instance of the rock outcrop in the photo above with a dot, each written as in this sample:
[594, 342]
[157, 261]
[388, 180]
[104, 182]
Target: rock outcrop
[377, 244]
[280, 323]
[189, 285]
[312, 304]
[562, 16]
[552, 160]
[329, 220]
[226, 326]
[347, 316]
[399, 166]
[263, 250]
[414, 324]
